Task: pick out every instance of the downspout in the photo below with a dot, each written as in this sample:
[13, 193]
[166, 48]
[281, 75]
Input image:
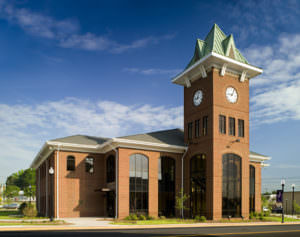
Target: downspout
[182, 186]
[47, 172]
[116, 180]
[57, 182]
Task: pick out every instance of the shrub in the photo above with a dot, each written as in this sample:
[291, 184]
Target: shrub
[261, 216]
[200, 218]
[151, 218]
[30, 211]
[162, 217]
[255, 214]
[251, 216]
[131, 217]
[22, 206]
[142, 218]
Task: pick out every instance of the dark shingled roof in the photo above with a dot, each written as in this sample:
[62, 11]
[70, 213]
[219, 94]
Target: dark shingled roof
[170, 137]
[82, 139]
[173, 137]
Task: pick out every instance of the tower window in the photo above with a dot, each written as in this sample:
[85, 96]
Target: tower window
[190, 130]
[241, 128]
[205, 125]
[70, 163]
[231, 126]
[222, 124]
[89, 165]
[197, 128]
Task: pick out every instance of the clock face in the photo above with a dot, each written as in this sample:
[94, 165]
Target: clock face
[198, 96]
[231, 94]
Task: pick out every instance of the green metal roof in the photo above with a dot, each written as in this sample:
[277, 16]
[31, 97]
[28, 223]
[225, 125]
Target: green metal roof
[216, 41]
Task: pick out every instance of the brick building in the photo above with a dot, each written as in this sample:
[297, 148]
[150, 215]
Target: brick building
[210, 159]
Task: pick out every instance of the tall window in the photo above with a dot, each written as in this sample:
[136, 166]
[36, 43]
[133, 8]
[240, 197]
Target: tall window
[198, 185]
[222, 124]
[71, 163]
[241, 128]
[231, 188]
[252, 189]
[110, 169]
[190, 130]
[138, 186]
[205, 125]
[89, 165]
[166, 186]
[197, 128]
[231, 126]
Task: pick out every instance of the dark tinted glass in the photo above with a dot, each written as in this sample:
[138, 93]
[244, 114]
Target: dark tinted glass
[71, 163]
[110, 169]
[190, 130]
[198, 185]
[222, 124]
[166, 186]
[197, 128]
[138, 184]
[205, 125]
[89, 165]
[231, 126]
[241, 128]
[252, 189]
[231, 188]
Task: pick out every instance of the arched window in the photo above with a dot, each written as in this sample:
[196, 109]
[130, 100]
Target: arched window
[198, 185]
[138, 186]
[89, 165]
[110, 169]
[252, 189]
[70, 163]
[166, 186]
[231, 203]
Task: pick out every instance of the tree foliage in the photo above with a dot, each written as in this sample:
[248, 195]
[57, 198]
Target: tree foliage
[23, 180]
[180, 200]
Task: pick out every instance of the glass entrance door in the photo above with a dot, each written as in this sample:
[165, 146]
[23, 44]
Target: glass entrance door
[110, 204]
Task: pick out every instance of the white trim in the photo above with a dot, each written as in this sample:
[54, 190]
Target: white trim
[57, 183]
[203, 71]
[51, 143]
[47, 202]
[259, 158]
[187, 82]
[243, 76]
[223, 70]
[230, 60]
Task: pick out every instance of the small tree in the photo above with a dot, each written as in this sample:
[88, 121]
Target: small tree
[180, 204]
[11, 191]
[296, 207]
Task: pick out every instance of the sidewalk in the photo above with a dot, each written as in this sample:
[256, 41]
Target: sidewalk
[95, 224]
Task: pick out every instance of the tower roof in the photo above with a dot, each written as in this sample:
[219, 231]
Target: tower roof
[216, 41]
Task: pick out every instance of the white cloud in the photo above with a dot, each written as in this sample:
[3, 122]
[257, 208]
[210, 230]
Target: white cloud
[24, 128]
[153, 71]
[67, 32]
[276, 94]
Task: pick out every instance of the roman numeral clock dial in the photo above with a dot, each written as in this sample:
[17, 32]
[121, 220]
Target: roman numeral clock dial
[198, 96]
[231, 94]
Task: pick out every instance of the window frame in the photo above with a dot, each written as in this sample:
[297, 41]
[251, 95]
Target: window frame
[197, 128]
[89, 166]
[231, 121]
[205, 125]
[222, 124]
[69, 166]
[241, 127]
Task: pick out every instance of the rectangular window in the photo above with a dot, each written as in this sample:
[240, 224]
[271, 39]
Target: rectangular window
[231, 126]
[197, 128]
[222, 124]
[205, 125]
[89, 165]
[70, 163]
[241, 128]
[190, 130]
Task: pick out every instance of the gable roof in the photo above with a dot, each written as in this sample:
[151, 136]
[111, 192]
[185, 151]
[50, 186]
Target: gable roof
[216, 41]
[170, 137]
[81, 139]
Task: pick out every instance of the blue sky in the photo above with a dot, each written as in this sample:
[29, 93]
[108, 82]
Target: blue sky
[105, 68]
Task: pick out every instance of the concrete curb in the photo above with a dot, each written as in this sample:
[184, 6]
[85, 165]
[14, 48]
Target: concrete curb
[131, 227]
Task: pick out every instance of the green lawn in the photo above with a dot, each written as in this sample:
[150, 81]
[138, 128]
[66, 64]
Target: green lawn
[32, 223]
[14, 214]
[190, 221]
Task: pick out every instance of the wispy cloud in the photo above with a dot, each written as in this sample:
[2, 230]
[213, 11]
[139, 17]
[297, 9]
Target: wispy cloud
[24, 128]
[277, 92]
[152, 71]
[67, 32]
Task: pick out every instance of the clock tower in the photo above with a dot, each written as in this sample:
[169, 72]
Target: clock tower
[216, 127]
